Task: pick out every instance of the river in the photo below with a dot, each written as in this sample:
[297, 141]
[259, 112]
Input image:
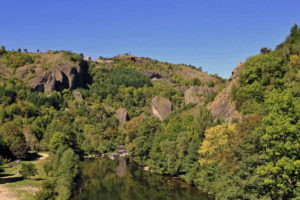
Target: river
[105, 179]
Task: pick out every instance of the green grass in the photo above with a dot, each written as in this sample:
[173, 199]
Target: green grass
[23, 188]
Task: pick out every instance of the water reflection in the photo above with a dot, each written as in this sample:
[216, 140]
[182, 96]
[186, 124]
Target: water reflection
[116, 180]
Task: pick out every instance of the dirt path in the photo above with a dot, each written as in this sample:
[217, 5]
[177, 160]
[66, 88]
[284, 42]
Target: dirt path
[8, 194]
[43, 155]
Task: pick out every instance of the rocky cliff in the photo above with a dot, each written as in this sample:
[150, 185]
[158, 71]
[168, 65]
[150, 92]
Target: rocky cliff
[122, 116]
[65, 76]
[196, 94]
[222, 106]
[161, 107]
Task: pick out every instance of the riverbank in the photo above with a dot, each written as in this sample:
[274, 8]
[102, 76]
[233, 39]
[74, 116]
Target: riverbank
[13, 187]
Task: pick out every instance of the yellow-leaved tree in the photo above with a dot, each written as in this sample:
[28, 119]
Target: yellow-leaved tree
[221, 144]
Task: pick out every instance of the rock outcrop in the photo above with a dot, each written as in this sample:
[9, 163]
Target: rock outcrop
[156, 76]
[222, 106]
[161, 107]
[78, 96]
[189, 73]
[122, 116]
[196, 94]
[65, 76]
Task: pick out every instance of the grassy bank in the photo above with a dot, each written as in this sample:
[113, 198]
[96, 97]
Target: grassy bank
[18, 188]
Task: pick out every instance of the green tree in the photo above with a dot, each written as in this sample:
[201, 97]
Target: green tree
[219, 146]
[68, 170]
[27, 169]
[2, 50]
[61, 139]
[12, 134]
[142, 144]
[280, 139]
[265, 50]
[203, 120]
[47, 168]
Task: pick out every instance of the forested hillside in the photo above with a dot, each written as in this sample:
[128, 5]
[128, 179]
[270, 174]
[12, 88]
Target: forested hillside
[236, 138]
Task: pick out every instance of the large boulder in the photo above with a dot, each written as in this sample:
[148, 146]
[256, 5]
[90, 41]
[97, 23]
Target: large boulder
[78, 96]
[161, 107]
[222, 106]
[122, 116]
[65, 76]
[196, 94]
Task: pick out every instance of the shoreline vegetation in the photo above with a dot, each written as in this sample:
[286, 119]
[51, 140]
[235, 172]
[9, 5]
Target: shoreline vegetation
[13, 186]
[236, 139]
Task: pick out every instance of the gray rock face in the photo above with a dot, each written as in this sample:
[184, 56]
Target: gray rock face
[78, 96]
[222, 106]
[122, 116]
[156, 76]
[161, 107]
[63, 77]
[196, 94]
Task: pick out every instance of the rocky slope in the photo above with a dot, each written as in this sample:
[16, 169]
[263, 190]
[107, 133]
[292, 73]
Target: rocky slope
[65, 76]
[50, 71]
[222, 106]
[58, 71]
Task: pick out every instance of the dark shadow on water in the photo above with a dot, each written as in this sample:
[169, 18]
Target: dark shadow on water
[10, 180]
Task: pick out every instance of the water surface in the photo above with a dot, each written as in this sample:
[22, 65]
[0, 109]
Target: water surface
[119, 180]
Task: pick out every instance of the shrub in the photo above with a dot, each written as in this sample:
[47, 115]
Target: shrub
[17, 59]
[19, 150]
[196, 81]
[27, 170]
[210, 83]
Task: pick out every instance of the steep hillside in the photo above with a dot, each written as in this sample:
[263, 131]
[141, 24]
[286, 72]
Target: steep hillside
[223, 106]
[46, 71]
[236, 138]
[38, 87]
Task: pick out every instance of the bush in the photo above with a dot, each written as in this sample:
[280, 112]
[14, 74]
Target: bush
[196, 81]
[210, 83]
[27, 170]
[19, 150]
[2, 50]
[47, 193]
[17, 59]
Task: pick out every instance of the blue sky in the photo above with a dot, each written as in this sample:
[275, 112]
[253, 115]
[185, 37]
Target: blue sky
[214, 34]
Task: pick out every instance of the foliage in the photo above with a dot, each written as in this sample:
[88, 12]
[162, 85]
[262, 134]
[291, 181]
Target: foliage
[196, 81]
[2, 50]
[62, 139]
[27, 169]
[64, 167]
[279, 137]
[19, 150]
[269, 85]
[67, 172]
[257, 158]
[11, 134]
[174, 148]
[141, 145]
[17, 59]
[47, 192]
[220, 146]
